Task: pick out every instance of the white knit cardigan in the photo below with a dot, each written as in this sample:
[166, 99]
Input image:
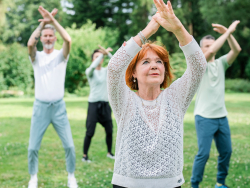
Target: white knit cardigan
[149, 143]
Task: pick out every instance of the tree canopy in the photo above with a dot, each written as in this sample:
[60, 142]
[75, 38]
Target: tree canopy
[122, 19]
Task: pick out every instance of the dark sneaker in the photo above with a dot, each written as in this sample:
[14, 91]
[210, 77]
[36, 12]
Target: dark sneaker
[111, 156]
[86, 159]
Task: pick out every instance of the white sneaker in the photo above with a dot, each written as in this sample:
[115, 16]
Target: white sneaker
[33, 183]
[111, 156]
[72, 183]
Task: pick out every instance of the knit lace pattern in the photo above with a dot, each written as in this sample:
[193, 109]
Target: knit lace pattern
[149, 142]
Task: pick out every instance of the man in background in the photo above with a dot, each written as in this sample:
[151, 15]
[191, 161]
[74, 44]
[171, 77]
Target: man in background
[210, 110]
[49, 71]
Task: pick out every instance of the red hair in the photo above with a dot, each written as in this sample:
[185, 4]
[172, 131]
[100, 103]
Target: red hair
[163, 55]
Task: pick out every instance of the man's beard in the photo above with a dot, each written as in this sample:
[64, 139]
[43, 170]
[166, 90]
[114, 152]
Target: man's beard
[48, 46]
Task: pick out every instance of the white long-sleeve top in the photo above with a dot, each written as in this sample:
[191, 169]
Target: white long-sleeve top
[149, 143]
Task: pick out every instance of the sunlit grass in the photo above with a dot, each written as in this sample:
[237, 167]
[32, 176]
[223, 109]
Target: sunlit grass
[15, 114]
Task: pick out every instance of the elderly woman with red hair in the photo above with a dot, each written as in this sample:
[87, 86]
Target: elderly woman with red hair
[149, 144]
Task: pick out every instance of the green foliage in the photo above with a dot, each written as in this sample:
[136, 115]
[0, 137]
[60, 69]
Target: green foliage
[237, 85]
[84, 41]
[18, 19]
[178, 64]
[2, 13]
[227, 11]
[22, 19]
[83, 91]
[247, 70]
[15, 68]
[113, 14]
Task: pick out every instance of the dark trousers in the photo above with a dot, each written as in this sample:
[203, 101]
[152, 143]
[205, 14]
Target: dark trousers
[117, 186]
[98, 112]
[207, 130]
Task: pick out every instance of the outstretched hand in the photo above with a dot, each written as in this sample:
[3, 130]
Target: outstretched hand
[47, 16]
[165, 16]
[233, 26]
[219, 28]
[105, 51]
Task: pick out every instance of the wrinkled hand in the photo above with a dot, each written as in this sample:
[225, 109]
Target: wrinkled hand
[233, 26]
[165, 16]
[105, 51]
[47, 16]
[219, 28]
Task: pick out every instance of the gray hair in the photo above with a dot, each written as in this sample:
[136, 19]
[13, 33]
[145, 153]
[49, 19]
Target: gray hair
[49, 26]
[206, 37]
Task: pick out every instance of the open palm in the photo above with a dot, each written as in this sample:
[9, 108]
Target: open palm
[165, 16]
[219, 28]
[233, 26]
[47, 16]
[105, 51]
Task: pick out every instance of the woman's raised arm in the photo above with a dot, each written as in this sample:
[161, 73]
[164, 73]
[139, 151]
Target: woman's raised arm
[166, 18]
[117, 88]
[186, 86]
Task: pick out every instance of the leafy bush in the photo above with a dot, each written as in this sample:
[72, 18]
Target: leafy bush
[15, 68]
[237, 85]
[178, 64]
[83, 91]
[84, 41]
[247, 69]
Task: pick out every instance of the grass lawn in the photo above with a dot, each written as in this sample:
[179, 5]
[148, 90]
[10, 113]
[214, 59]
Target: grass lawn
[15, 116]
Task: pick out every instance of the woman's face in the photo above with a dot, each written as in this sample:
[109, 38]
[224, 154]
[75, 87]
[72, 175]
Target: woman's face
[96, 55]
[150, 70]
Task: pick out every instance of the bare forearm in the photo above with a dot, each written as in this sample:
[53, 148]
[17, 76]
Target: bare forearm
[147, 32]
[65, 36]
[63, 33]
[183, 36]
[34, 38]
[234, 45]
[235, 49]
[214, 48]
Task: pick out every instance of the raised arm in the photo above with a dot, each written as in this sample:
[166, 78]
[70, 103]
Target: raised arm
[186, 86]
[167, 19]
[226, 34]
[34, 38]
[48, 18]
[235, 49]
[118, 91]
[106, 51]
[89, 71]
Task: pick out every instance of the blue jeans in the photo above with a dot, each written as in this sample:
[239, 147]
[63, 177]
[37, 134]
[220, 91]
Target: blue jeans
[207, 130]
[45, 113]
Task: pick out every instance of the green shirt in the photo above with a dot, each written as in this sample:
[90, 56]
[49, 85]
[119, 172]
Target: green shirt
[210, 102]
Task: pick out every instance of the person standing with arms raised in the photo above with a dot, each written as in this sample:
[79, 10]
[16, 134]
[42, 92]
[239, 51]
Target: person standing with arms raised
[98, 107]
[210, 111]
[149, 143]
[49, 71]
